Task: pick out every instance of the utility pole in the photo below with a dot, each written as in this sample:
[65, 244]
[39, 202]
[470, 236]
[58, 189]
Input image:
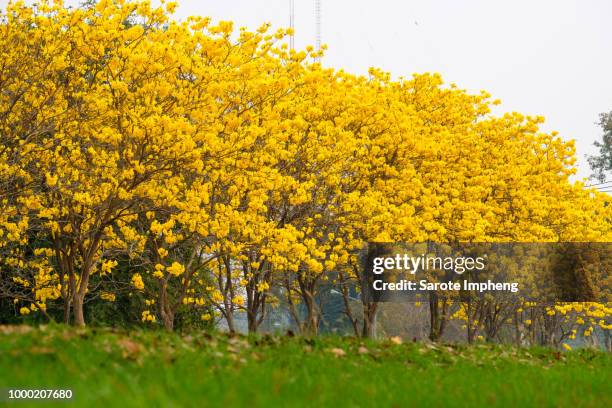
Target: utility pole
[317, 13]
[318, 23]
[292, 23]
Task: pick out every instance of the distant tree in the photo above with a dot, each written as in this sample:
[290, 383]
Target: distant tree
[88, 4]
[601, 163]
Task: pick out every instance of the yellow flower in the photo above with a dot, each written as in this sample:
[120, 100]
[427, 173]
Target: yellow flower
[217, 297]
[263, 286]
[107, 266]
[137, 281]
[176, 269]
[51, 179]
[148, 317]
[109, 297]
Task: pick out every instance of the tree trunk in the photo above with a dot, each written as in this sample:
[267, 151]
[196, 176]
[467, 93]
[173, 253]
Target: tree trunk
[255, 318]
[347, 310]
[292, 309]
[79, 294]
[79, 318]
[67, 311]
[311, 325]
[437, 316]
[307, 287]
[252, 322]
[229, 317]
[168, 320]
[255, 308]
[369, 320]
[166, 311]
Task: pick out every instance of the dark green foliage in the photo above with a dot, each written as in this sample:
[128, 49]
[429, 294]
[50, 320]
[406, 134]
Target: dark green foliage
[601, 163]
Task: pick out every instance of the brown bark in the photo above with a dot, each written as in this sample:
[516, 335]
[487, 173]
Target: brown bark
[347, 308]
[79, 318]
[369, 319]
[307, 286]
[256, 300]
[438, 310]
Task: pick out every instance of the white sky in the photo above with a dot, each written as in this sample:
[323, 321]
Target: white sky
[540, 57]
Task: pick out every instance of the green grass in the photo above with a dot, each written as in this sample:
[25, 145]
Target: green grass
[109, 368]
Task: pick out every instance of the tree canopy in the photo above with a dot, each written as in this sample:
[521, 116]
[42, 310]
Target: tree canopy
[194, 165]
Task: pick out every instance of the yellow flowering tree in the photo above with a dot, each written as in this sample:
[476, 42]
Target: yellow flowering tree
[223, 169]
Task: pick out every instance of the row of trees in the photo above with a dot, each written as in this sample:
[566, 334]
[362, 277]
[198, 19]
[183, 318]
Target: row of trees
[562, 292]
[198, 167]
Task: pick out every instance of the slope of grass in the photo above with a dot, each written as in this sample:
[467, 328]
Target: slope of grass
[155, 369]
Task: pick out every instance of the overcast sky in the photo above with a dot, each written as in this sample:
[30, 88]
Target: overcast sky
[540, 57]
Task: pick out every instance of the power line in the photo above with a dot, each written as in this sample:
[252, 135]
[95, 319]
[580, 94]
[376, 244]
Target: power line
[599, 184]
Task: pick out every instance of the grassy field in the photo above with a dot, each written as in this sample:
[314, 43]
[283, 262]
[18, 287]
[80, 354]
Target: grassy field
[111, 368]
